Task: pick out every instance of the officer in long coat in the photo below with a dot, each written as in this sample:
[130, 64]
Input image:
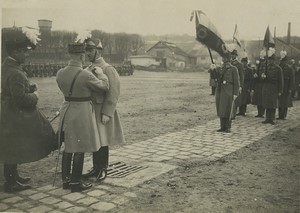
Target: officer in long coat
[212, 81]
[240, 67]
[285, 100]
[108, 120]
[26, 135]
[256, 90]
[246, 88]
[226, 92]
[272, 87]
[77, 125]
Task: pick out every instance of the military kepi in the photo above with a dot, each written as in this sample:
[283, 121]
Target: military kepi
[76, 47]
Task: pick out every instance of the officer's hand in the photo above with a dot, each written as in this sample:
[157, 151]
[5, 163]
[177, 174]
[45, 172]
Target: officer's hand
[105, 119]
[263, 76]
[36, 93]
[290, 91]
[252, 92]
[240, 90]
[234, 97]
[279, 94]
[255, 75]
[33, 87]
[213, 66]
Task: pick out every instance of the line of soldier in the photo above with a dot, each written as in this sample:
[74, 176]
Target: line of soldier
[124, 69]
[42, 70]
[267, 85]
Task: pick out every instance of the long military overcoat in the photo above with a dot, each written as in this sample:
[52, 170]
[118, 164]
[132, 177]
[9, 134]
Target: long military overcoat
[229, 86]
[105, 103]
[77, 121]
[285, 100]
[240, 69]
[248, 79]
[26, 134]
[258, 84]
[272, 86]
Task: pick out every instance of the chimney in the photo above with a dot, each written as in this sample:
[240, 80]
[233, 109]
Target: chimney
[288, 38]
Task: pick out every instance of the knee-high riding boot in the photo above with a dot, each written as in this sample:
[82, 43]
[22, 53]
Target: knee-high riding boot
[66, 168]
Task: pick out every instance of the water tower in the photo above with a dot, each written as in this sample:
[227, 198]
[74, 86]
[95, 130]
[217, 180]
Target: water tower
[45, 28]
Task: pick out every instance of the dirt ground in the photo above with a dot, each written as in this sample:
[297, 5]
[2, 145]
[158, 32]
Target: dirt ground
[263, 177]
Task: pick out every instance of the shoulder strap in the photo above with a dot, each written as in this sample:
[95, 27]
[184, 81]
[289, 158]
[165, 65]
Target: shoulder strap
[72, 84]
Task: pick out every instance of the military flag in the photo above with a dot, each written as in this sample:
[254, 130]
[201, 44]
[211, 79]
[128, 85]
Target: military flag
[206, 33]
[268, 40]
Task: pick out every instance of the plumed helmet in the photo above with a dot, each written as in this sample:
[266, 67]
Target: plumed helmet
[271, 52]
[20, 38]
[262, 54]
[283, 54]
[79, 45]
[93, 43]
[231, 48]
[227, 55]
[244, 57]
[76, 48]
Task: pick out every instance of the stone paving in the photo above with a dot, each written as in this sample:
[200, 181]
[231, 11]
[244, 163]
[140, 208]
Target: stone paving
[158, 155]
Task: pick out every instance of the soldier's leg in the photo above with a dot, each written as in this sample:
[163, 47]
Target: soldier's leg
[12, 184]
[103, 163]
[280, 112]
[76, 185]
[96, 160]
[267, 116]
[227, 122]
[285, 110]
[222, 128]
[272, 113]
[103, 157]
[213, 90]
[242, 110]
[66, 169]
[95, 170]
[261, 111]
[10, 171]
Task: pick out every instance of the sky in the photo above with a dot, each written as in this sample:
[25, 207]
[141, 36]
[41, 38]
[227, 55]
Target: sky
[158, 17]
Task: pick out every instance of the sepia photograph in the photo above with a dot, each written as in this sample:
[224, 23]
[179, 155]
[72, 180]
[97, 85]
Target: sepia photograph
[150, 106]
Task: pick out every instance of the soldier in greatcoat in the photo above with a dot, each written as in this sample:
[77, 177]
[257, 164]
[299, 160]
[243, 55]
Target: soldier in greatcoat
[107, 116]
[77, 124]
[212, 81]
[256, 90]
[25, 133]
[285, 100]
[246, 88]
[272, 87]
[239, 66]
[226, 92]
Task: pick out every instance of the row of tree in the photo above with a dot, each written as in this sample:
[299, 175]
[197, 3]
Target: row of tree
[116, 46]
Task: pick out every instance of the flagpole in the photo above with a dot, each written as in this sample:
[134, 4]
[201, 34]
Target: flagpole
[211, 58]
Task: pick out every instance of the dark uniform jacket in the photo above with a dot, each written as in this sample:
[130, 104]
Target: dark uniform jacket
[272, 86]
[248, 79]
[258, 83]
[285, 100]
[228, 85]
[26, 134]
